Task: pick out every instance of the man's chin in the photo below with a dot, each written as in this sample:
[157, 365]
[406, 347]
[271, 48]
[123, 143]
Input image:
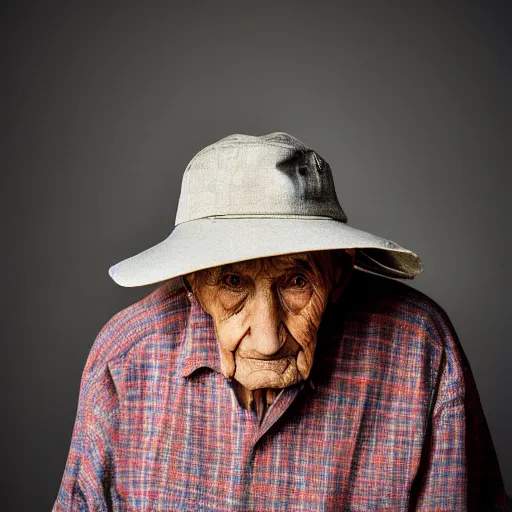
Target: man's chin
[257, 374]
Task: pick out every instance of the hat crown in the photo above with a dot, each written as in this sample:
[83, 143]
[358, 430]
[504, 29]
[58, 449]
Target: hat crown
[274, 175]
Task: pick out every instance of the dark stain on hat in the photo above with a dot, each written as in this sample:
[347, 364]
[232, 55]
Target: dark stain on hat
[306, 169]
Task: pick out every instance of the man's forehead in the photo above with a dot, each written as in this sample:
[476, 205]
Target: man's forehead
[273, 263]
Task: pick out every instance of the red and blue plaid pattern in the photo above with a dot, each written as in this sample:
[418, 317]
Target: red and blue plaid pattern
[390, 419]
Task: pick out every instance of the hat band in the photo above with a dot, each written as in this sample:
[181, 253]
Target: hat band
[265, 216]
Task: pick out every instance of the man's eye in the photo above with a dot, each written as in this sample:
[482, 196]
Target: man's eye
[298, 281]
[232, 281]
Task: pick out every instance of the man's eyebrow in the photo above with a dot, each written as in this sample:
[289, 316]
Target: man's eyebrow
[305, 264]
[298, 262]
[237, 266]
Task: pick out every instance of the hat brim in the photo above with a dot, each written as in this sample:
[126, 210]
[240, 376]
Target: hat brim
[210, 242]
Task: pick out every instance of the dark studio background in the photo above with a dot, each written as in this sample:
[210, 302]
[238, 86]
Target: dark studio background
[104, 104]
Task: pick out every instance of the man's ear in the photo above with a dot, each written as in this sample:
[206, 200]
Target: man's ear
[188, 282]
[344, 264]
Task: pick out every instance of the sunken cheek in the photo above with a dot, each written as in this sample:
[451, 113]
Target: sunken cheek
[295, 301]
[230, 301]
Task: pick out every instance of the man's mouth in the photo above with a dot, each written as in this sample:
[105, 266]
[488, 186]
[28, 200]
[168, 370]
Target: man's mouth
[277, 365]
[256, 373]
[278, 370]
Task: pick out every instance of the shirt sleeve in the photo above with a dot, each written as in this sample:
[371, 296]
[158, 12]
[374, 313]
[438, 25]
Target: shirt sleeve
[87, 478]
[459, 470]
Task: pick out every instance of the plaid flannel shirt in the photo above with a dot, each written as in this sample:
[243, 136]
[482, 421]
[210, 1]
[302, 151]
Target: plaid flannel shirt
[390, 419]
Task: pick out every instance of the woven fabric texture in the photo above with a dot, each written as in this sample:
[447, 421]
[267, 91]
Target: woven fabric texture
[390, 419]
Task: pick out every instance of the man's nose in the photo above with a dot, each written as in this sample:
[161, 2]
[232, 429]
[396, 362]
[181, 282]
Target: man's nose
[267, 333]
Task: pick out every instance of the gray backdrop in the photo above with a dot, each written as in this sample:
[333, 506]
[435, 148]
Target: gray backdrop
[104, 105]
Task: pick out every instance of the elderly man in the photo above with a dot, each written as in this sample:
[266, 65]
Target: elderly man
[278, 366]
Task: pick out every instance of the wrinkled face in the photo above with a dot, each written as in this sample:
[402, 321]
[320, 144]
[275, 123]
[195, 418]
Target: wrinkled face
[266, 314]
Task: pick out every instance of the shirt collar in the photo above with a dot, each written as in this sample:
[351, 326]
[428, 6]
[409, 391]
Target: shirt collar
[200, 347]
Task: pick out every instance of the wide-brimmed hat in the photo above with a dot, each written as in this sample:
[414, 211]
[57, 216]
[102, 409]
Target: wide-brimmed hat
[247, 197]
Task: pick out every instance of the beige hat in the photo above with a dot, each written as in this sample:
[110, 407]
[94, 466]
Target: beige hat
[247, 197]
